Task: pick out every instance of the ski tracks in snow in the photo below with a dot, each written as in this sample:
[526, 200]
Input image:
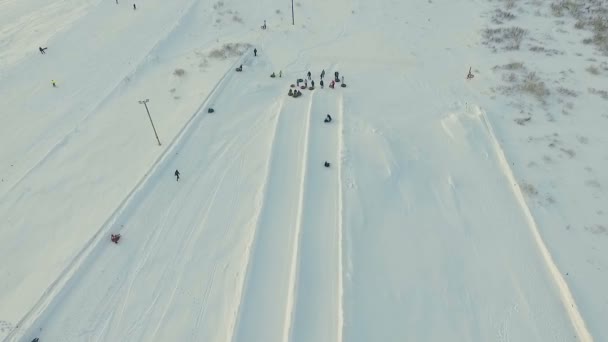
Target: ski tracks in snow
[267, 295]
[317, 293]
[292, 290]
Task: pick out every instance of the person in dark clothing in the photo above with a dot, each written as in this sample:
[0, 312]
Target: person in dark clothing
[240, 68]
[42, 49]
[134, 7]
[255, 52]
[312, 83]
[322, 73]
[337, 76]
[308, 75]
[177, 175]
[321, 83]
[326, 164]
[54, 84]
[327, 119]
[115, 238]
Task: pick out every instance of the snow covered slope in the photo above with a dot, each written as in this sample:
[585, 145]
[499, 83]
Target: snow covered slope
[426, 226]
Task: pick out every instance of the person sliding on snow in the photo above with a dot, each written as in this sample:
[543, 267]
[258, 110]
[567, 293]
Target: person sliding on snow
[327, 119]
[115, 238]
[177, 175]
[331, 85]
[42, 49]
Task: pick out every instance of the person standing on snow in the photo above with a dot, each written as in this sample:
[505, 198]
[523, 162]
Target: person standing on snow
[134, 7]
[321, 83]
[255, 52]
[54, 84]
[322, 73]
[177, 175]
[308, 75]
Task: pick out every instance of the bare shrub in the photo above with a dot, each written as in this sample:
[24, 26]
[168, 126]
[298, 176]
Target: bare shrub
[533, 85]
[510, 38]
[569, 152]
[277, 11]
[237, 19]
[218, 5]
[522, 121]
[229, 50]
[592, 69]
[513, 66]
[602, 93]
[179, 72]
[501, 16]
[548, 52]
[510, 77]
[509, 4]
[528, 189]
[567, 92]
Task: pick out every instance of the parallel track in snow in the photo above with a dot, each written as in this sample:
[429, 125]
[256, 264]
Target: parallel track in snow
[267, 296]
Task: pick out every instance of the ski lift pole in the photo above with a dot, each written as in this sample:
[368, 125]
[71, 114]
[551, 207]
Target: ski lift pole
[145, 103]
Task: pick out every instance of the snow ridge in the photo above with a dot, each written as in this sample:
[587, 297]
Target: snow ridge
[565, 294]
[293, 277]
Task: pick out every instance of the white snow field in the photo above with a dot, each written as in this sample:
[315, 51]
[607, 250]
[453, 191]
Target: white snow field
[453, 209]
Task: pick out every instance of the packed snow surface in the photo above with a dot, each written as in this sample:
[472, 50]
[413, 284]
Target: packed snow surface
[452, 208]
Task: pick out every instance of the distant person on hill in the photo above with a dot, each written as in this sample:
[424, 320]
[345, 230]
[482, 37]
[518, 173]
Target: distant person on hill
[134, 7]
[255, 52]
[308, 75]
[321, 84]
[42, 49]
[322, 73]
[54, 84]
[177, 175]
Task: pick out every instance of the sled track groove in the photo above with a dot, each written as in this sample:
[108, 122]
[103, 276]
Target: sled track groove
[89, 113]
[258, 216]
[72, 268]
[340, 220]
[293, 277]
[566, 296]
